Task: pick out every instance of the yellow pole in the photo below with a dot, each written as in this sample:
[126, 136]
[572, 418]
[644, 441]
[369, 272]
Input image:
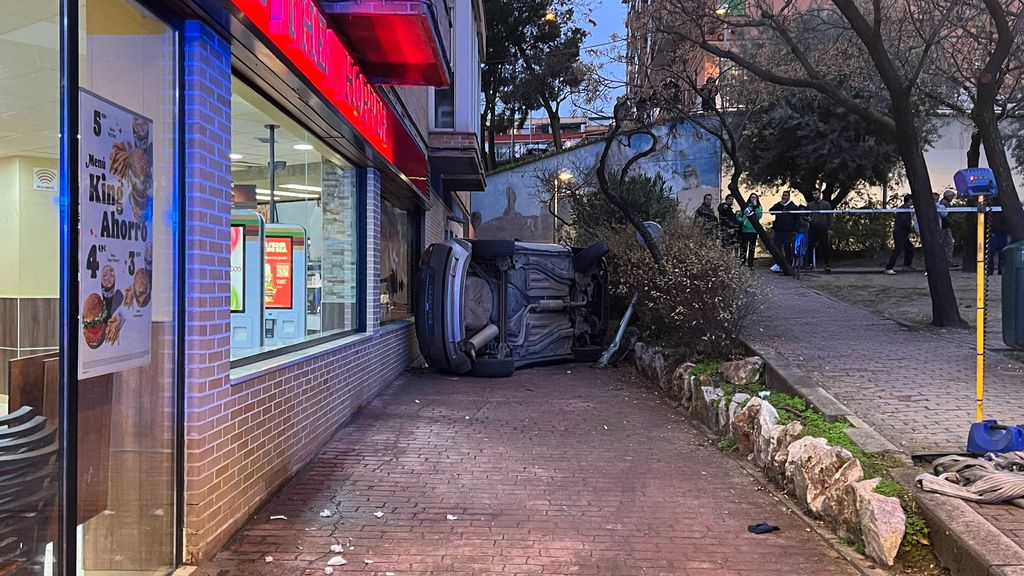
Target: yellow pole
[980, 297]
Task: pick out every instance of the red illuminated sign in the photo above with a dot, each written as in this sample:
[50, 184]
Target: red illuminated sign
[299, 29]
[277, 270]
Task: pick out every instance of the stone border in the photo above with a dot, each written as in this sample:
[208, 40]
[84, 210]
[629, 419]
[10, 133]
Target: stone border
[826, 481]
[963, 541]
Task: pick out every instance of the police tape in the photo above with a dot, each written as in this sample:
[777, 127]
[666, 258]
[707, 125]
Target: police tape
[881, 211]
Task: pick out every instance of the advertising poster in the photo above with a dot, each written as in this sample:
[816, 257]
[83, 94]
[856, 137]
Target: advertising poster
[116, 251]
[237, 268]
[277, 270]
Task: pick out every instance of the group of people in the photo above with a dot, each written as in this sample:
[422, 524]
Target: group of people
[906, 224]
[737, 228]
[800, 231]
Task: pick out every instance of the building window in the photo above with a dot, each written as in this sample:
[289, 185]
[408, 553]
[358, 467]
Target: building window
[128, 369]
[444, 109]
[396, 260]
[294, 250]
[30, 284]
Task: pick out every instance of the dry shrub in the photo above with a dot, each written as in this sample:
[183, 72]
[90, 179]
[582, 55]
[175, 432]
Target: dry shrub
[700, 300]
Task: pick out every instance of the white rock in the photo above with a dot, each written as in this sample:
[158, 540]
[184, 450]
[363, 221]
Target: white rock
[882, 522]
[454, 517]
[326, 513]
[337, 561]
[813, 471]
[337, 548]
[735, 405]
[328, 570]
[680, 388]
[378, 514]
[839, 506]
[268, 559]
[778, 449]
[767, 418]
[367, 561]
[742, 426]
[742, 372]
[796, 455]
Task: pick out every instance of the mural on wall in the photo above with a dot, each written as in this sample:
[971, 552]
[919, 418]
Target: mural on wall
[518, 202]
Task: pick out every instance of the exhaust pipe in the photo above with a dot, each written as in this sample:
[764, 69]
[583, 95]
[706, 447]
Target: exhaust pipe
[480, 339]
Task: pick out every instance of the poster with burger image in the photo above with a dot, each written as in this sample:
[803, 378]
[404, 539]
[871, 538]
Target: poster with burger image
[116, 248]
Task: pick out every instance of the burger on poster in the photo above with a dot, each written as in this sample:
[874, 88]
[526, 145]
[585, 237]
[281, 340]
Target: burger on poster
[140, 176]
[94, 320]
[140, 287]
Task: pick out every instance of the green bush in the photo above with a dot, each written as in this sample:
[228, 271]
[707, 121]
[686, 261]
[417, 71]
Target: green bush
[699, 300]
[863, 234]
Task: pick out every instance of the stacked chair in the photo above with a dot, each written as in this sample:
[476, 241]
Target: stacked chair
[28, 490]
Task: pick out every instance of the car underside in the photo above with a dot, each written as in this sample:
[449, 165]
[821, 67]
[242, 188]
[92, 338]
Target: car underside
[487, 307]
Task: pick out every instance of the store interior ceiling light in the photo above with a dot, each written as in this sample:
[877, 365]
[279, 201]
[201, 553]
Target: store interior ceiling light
[302, 187]
[286, 194]
[303, 146]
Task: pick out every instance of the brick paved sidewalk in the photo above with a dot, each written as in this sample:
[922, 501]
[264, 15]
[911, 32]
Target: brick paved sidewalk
[546, 472]
[914, 387]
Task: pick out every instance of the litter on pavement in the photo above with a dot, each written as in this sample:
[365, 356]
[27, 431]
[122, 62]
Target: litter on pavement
[761, 528]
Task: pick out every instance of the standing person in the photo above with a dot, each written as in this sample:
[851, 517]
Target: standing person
[901, 230]
[785, 227]
[943, 207]
[705, 214]
[998, 240]
[820, 230]
[748, 234]
[730, 226]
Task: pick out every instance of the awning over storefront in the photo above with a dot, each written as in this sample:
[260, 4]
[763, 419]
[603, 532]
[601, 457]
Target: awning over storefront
[299, 30]
[395, 42]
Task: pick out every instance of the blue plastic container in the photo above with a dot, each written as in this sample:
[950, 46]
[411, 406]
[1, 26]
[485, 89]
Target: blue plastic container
[990, 436]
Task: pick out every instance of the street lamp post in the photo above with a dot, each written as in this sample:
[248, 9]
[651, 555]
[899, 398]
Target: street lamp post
[563, 176]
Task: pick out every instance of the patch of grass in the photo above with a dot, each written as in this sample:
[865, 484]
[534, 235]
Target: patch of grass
[707, 367]
[730, 445]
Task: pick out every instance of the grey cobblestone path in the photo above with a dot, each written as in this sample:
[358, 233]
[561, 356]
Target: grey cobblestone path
[914, 387]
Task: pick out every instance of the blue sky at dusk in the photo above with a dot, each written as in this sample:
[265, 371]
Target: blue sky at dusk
[610, 16]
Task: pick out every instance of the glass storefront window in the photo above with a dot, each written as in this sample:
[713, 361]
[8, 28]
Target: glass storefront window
[30, 284]
[128, 280]
[304, 284]
[396, 259]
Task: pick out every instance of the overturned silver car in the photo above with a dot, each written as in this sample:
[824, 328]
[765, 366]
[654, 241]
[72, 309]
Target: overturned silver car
[487, 307]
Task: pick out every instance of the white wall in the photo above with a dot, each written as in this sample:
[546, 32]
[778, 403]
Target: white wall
[29, 230]
[466, 63]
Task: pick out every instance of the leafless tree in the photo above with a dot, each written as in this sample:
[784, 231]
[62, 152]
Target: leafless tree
[842, 49]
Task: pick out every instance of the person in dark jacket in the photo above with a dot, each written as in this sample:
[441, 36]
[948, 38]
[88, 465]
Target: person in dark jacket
[998, 240]
[705, 214]
[902, 227]
[728, 224]
[820, 230]
[785, 227]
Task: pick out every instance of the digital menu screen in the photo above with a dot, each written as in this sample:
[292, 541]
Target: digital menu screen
[237, 268]
[277, 272]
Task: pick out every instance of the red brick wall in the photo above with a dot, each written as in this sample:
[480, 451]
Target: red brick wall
[249, 430]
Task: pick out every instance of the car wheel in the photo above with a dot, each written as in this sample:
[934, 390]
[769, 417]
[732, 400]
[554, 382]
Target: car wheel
[493, 248]
[493, 367]
[589, 256]
[588, 354]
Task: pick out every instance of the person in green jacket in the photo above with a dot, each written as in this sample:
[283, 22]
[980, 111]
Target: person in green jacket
[748, 235]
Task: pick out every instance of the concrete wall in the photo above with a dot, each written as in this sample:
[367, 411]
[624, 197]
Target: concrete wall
[514, 205]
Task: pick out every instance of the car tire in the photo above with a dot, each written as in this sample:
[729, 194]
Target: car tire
[493, 248]
[586, 258]
[493, 367]
[588, 354]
